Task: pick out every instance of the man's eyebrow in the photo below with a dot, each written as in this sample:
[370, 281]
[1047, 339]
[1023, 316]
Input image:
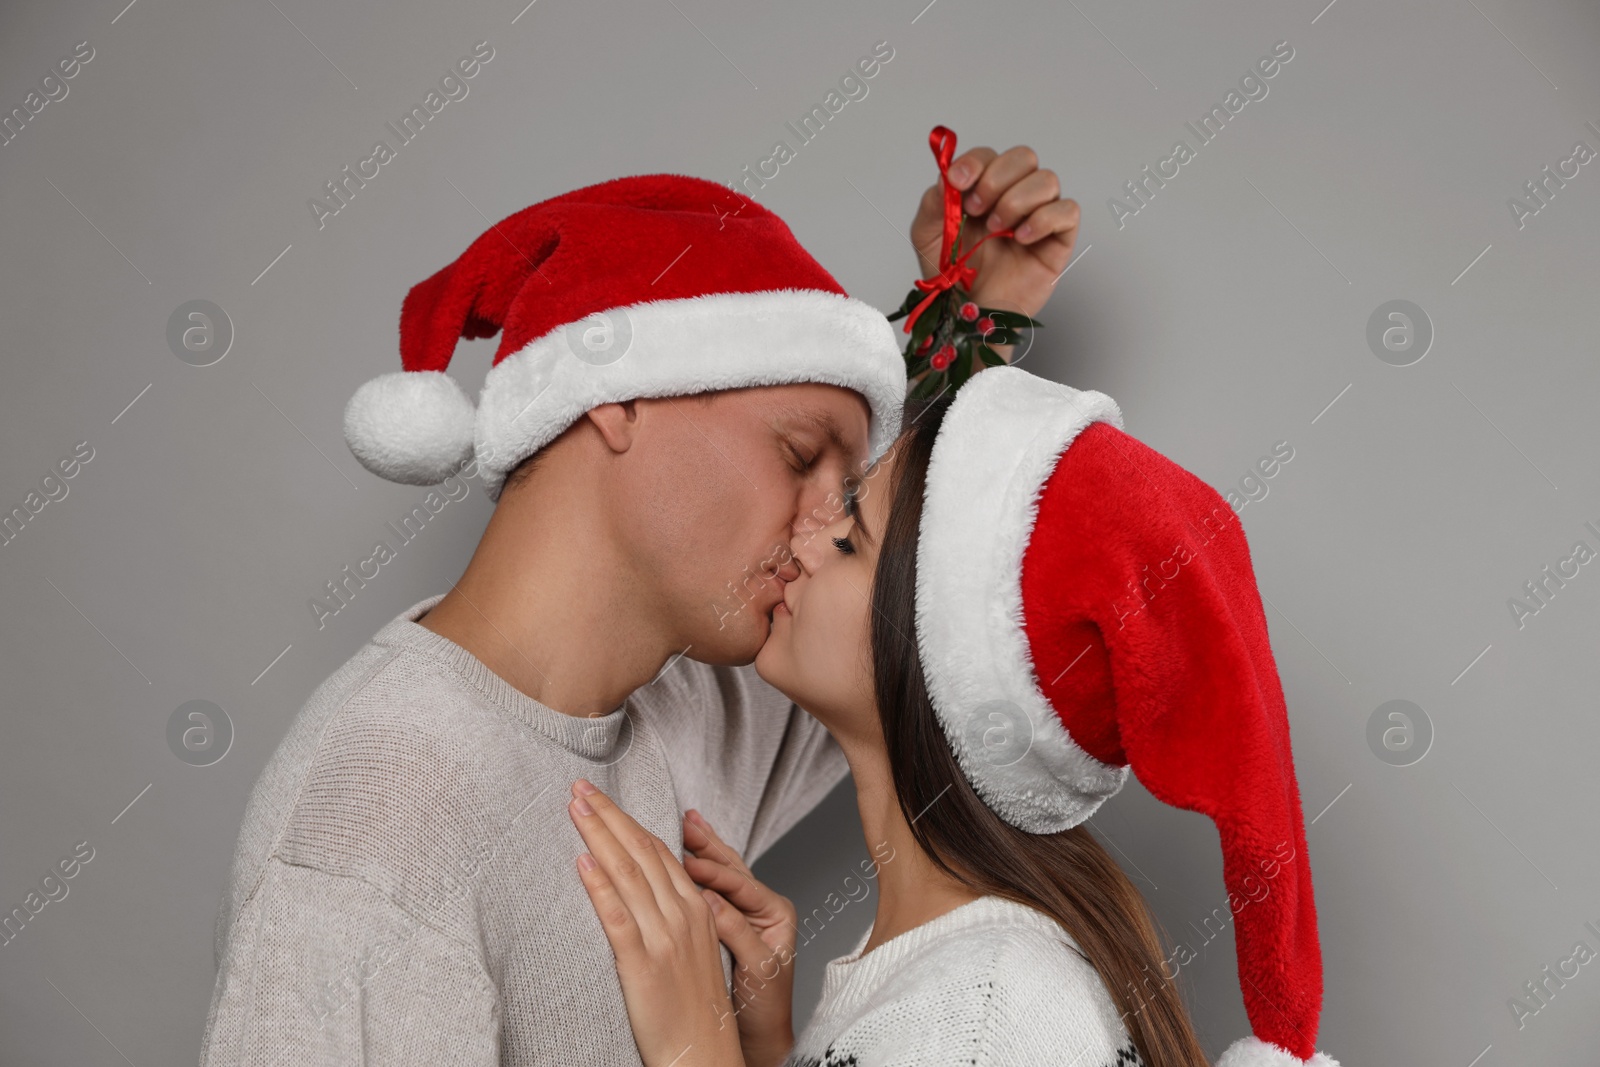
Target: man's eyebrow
[820, 421]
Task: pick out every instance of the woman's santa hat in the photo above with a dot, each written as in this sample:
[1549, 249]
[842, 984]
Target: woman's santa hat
[1115, 624]
[648, 286]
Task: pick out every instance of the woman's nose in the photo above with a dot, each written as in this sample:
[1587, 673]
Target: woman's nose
[809, 547]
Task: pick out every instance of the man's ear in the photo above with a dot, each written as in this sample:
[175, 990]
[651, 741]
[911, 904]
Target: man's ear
[618, 424]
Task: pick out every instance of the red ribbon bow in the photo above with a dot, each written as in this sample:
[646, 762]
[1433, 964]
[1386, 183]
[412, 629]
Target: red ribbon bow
[952, 272]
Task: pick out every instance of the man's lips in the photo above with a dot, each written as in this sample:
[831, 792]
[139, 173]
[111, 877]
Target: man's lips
[781, 585]
[781, 607]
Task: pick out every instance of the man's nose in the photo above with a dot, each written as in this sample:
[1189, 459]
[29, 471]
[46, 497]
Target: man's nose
[805, 548]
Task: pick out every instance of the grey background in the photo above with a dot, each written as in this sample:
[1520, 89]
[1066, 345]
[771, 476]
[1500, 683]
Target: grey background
[1226, 316]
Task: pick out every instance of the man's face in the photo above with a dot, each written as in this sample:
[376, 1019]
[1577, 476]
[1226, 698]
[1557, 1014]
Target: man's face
[718, 489]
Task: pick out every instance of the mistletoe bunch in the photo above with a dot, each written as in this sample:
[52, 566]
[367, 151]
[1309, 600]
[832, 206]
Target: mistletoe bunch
[950, 333]
[951, 337]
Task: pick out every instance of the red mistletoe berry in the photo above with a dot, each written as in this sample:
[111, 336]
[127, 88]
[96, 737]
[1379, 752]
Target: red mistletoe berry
[969, 311]
[927, 342]
[943, 358]
[985, 325]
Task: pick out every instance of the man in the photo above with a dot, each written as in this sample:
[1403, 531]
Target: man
[404, 888]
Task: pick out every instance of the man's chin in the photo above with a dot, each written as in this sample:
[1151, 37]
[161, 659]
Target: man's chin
[735, 644]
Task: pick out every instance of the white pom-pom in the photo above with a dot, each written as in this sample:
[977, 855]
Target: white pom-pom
[410, 426]
[1254, 1052]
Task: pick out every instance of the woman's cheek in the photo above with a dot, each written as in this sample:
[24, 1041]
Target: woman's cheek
[850, 637]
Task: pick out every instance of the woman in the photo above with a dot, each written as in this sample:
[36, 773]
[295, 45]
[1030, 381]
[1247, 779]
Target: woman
[967, 634]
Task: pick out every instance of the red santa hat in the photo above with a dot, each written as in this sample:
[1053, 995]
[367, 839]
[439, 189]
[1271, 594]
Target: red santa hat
[1114, 623]
[647, 286]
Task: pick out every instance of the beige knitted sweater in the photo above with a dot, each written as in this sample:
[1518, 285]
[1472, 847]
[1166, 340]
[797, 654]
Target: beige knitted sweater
[404, 889]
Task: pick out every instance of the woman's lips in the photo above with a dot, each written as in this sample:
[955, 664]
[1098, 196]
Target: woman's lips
[780, 609]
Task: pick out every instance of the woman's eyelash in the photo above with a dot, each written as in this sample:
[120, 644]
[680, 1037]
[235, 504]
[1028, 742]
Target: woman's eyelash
[843, 545]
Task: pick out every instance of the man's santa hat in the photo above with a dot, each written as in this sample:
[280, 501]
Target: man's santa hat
[1114, 623]
[649, 286]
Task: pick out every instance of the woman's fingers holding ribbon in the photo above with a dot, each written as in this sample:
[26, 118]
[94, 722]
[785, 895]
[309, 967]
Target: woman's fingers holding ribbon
[927, 229]
[1031, 206]
[1014, 193]
[1003, 191]
[995, 174]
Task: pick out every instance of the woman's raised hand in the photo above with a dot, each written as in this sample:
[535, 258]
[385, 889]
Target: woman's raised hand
[1004, 190]
[758, 926]
[661, 927]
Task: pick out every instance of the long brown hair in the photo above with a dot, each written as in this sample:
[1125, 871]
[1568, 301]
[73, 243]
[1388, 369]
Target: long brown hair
[1068, 876]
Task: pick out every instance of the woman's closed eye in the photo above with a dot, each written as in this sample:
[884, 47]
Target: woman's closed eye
[844, 546]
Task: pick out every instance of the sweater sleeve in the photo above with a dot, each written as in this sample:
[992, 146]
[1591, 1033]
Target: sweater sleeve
[323, 970]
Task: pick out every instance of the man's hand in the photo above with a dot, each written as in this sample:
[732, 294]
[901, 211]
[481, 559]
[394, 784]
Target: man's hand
[1002, 191]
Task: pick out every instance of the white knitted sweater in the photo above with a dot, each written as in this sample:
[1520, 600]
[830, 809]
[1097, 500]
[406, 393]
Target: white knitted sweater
[404, 890]
[988, 984]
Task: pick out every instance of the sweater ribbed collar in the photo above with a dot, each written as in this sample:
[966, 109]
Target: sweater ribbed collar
[853, 977]
[597, 738]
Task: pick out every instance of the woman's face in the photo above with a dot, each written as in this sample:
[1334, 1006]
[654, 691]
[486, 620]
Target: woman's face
[819, 652]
